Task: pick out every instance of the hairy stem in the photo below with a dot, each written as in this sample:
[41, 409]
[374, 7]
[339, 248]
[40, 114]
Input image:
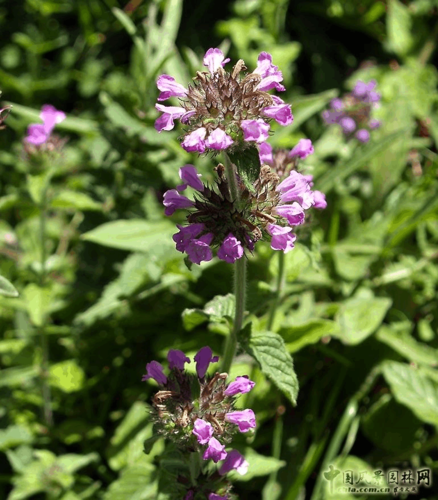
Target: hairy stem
[239, 278]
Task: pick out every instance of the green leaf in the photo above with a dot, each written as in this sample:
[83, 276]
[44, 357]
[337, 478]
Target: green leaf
[35, 186]
[125, 21]
[38, 301]
[193, 317]
[305, 107]
[17, 376]
[14, 436]
[248, 166]
[135, 235]
[399, 22]
[259, 465]
[135, 483]
[407, 346]
[7, 288]
[268, 349]
[361, 316]
[298, 336]
[413, 389]
[74, 200]
[221, 306]
[362, 155]
[67, 376]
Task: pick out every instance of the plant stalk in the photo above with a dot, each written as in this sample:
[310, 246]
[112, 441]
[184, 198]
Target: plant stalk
[278, 291]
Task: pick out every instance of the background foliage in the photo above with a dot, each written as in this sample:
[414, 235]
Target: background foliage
[359, 307]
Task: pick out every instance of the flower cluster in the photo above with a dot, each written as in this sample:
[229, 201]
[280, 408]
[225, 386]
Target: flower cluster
[353, 111]
[39, 134]
[197, 414]
[270, 210]
[221, 110]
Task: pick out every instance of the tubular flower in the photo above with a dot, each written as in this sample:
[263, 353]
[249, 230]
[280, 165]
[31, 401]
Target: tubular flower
[275, 205]
[39, 135]
[196, 412]
[221, 109]
[353, 112]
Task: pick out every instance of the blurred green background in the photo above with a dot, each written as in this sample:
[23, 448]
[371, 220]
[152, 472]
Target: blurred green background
[359, 309]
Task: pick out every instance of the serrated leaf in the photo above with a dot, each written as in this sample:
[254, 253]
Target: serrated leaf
[7, 288]
[221, 306]
[413, 389]
[268, 349]
[193, 317]
[248, 166]
[74, 200]
[359, 317]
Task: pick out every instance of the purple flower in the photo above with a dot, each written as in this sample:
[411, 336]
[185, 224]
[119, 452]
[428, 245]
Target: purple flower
[194, 142]
[281, 113]
[51, 116]
[271, 75]
[198, 250]
[214, 59]
[186, 234]
[363, 135]
[255, 130]
[155, 370]
[203, 359]
[319, 200]
[203, 431]
[245, 419]
[218, 140]
[241, 385]
[337, 104]
[36, 134]
[177, 359]
[169, 88]
[230, 250]
[303, 149]
[293, 213]
[234, 461]
[348, 124]
[331, 117]
[214, 496]
[296, 188]
[281, 237]
[265, 153]
[165, 121]
[190, 495]
[190, 176]
[373, 123]
[172, 200]
[361, 89]
[215, 451]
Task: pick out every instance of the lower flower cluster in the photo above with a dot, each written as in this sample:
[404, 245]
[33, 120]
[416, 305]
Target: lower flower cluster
[197, 414]
[275, 204]
[353, 111]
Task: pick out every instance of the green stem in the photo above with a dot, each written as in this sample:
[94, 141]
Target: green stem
[428, 47]
[278, 292]
[47, 397]
[239, 278]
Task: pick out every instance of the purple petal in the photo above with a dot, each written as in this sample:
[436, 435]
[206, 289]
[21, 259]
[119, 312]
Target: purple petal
[265, 153]
[303, 149]
[230, 250]
[203, 359]
[281, 113]
[172, 200]
[363, 135]
[214, 496]
[320, 201]
[241, 385]
[245, 419]
[36, 134]
[215, 451]
[169, 88]
[234, 461]
[51, 116]
[177, 359]
[294, 213]
[255, 130]
[190, 176]
[281, 238]
[348, 124]
[165, 121]
[218, 140]
[203, 431]
[155, 370]
[214, 59]
[186, 234]
[194, 142]
[198, 250]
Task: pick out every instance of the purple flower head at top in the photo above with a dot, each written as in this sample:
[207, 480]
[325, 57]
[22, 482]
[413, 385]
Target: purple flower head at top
[215, 451]
[230, 250]
[241, 385]
[155, 370]
[282, 239]
[177, 359]
[303, 149]
[244, 419]
[190, 177]
[172, 200]
[203, 431]
[213, 123]
[203, 359]
[198, 250]
[234, 461]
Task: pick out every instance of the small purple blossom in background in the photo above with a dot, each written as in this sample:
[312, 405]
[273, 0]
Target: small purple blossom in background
[155, 370]
[203, 359]
[234, 461]
[203, 431]
[215, 451]
[177, 359]
[214, 496]
[354, 111]
[244, 419]
[38, 134]
[303, 149]
[241, 385]
[214, 121]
